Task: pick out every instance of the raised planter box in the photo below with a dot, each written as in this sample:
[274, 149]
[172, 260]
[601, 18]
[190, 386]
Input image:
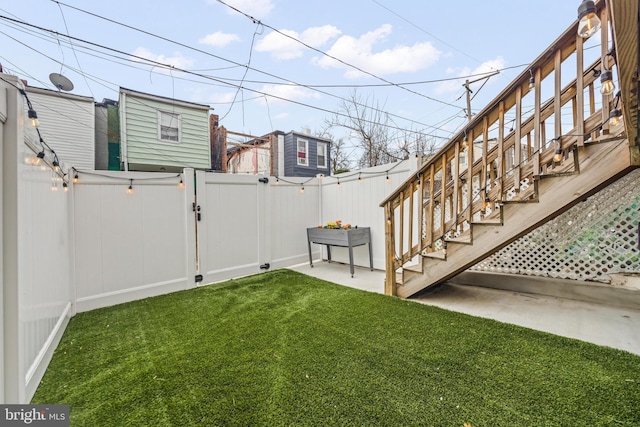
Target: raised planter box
[343, 238]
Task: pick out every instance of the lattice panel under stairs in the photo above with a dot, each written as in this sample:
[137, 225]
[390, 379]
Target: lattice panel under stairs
[590, 241]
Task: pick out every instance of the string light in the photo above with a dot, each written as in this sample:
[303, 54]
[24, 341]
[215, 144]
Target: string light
[532, 80]
[65, 186]
[589, 21]
[39, 157]
[388, 179]
[302, 188]
[181, 183]
[359, 178]
[615, 116]
[339, 182]
[606, 78]
[33, 116]
[130, 189]
[557, 156]
[75, 177]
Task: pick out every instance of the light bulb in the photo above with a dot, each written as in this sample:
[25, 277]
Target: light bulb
[532, 82]
[65, 186]
[39, 157]
[130, 189]
[606, 78]
[75, 178]
[388, 179]
[33, 116]
[557, 156]
[615, 118]
[181, 183]
[589, 21]
[302, 189]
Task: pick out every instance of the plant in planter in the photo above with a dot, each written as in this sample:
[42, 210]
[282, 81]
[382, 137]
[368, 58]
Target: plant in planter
[336, 225]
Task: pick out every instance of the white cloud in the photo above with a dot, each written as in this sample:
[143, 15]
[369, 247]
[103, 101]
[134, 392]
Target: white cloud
[360, 52]
[283, 47]
[290, 92]
[219, 39]
[177, 60]
[486, 67]
[255, 8]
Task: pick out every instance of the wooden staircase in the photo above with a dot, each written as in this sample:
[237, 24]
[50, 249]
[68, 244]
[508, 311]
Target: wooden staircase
[487, 187]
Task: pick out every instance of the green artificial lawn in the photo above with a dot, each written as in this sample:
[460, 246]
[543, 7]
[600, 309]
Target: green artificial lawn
[285, 349]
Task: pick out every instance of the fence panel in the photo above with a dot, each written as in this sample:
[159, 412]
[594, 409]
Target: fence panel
[132, 243]
[292, 211]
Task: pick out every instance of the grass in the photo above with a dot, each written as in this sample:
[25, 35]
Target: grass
[283, 348]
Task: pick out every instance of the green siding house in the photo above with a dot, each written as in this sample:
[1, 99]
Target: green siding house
[162, 134]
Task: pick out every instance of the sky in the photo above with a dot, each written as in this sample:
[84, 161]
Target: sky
[288, 65]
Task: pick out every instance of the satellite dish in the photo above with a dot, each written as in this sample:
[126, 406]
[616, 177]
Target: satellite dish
[61, 82]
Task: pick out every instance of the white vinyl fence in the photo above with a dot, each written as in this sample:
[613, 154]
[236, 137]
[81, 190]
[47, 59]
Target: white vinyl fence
[36, 272]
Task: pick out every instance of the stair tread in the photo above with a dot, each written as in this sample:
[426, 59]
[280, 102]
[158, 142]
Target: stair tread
[526, 196]
[436, 255]
[415, 268]
[466, 238]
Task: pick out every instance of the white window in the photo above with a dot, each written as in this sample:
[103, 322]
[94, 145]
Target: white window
[322, 155]
[168, 126]
[303, 152]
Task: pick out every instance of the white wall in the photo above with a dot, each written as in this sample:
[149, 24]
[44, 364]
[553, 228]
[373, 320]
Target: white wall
[67, 123]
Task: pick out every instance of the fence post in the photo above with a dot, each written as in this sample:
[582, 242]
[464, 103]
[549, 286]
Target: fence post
[12, 373]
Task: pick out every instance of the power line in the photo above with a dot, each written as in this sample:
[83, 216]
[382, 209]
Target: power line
[335, 58]
[287, 81]
[424, 31]
[203, 76]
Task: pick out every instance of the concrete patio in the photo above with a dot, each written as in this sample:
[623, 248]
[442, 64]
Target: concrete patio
[600, 324]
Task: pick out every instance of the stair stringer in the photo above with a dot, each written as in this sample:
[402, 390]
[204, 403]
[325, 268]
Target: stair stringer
[600, 164]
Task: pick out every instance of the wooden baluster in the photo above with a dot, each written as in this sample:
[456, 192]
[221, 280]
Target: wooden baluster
[592, 109]
[443, 192]
[421, 213]
[538, 130]
[485, 160]
[469, 183]
[432, 207]
[456, 186]
[517, 143]
[401, 230]
[557, 105]
[579, 99]
[411, 208]
[500, 158]
[390, 269]
[604, 50]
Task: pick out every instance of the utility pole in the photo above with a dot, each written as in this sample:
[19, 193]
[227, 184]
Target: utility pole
[469, 91]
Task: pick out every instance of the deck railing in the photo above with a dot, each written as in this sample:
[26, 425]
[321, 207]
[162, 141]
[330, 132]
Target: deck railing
[501, 153]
